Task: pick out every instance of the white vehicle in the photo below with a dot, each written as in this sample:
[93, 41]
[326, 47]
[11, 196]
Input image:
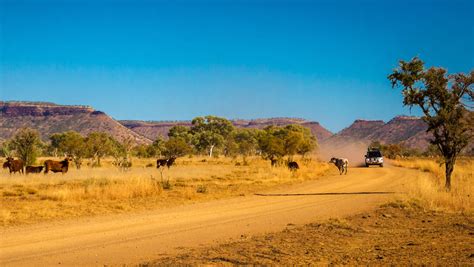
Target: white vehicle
[373, 157]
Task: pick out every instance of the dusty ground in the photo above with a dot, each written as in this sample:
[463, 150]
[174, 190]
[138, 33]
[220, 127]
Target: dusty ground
[133, 238]
[395, 234]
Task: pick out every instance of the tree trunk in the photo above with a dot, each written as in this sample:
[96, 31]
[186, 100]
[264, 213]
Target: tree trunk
[449, 171]
[210, 151]
[98, 161]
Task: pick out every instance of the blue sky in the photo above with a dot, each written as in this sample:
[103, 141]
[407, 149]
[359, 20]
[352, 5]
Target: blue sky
[174, 60]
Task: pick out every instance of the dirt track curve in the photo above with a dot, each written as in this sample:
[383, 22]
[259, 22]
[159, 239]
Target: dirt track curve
[138, 237]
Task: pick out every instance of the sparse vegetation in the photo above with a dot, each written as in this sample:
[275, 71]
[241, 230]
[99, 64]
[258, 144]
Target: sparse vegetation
[91, 191]
[26, 145]
[429, 189]
[445, 101]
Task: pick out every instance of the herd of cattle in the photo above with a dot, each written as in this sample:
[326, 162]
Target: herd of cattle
[17, 165]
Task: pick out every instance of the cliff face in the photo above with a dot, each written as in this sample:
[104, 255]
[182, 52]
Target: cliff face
[152, 130]
[49, 118]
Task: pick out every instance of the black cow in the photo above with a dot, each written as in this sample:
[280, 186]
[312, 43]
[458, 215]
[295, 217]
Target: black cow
[34, 169]
[293, 165]
[14, 165]
[56, 166]
[165, 162]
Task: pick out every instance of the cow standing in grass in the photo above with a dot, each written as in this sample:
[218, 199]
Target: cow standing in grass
[165, 162]
[14, 165]
[293, 166]
[34, 169]
[56, 166]
[341, 164]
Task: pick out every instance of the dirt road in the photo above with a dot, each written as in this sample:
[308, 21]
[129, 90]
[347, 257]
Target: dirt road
[134, 238]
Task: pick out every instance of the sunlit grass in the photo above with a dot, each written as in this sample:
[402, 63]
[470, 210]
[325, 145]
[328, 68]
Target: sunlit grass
[430, 190]
[105, 190]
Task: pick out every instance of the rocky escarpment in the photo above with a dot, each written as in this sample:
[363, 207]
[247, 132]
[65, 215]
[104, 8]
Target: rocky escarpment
[49, 118]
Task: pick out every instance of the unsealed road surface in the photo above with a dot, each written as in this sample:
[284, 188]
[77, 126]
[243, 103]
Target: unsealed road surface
[139, 237]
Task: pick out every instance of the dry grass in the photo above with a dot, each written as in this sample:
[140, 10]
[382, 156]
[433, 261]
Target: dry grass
[105, 190]
[430, 190]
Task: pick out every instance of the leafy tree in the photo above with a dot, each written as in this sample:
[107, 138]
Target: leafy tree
[27, 145]
[5, 149]
[121, 153]
[210, 132]
[443, 100]
[277, 142]
[271, 143]
[299, 140]
[99, 145]
[246, 141]
[70, 143]
[182, 132]
[176, 147]
[156, 148]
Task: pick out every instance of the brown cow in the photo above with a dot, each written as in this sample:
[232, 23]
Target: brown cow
[34, 169]
[57, 166]
[14, 165]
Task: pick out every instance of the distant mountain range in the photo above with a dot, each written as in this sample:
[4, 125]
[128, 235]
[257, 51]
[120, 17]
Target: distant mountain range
[152, 129]
[49, 118]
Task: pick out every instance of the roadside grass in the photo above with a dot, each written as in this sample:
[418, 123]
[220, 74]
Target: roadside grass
[429, 190]
[105, 190]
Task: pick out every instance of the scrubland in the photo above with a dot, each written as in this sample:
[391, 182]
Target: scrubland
[105, 190]
[430, 190]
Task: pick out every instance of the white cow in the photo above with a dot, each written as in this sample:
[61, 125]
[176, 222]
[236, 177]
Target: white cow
[341, 164]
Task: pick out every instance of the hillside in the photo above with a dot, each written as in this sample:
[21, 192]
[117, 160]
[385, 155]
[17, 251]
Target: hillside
[152, 129]
[410, 131]
[352, 141]
[49, 118]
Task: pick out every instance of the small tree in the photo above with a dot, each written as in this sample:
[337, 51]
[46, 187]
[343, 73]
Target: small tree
[26, 144]
[176, 147]
[70, 143]
[246, 140]
[271, 143]
[210, 132]
[99, 145]
[443, 100]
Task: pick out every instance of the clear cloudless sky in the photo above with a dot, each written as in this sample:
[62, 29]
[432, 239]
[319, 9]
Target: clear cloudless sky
[173, 60]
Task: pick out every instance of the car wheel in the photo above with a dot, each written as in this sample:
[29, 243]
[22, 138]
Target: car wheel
[381, 165]
[366, 165]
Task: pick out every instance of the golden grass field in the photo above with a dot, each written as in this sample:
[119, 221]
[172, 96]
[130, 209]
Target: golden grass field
[105, 190]
[95, 191]
[430, 190]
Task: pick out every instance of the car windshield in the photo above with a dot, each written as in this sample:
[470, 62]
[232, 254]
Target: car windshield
[374, 154]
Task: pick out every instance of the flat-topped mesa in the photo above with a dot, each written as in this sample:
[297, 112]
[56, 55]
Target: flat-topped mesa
[42, 109]
[405, 118]
[49, 118]
[152, 129]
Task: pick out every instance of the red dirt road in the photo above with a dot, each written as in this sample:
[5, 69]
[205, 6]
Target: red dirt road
[139, 237]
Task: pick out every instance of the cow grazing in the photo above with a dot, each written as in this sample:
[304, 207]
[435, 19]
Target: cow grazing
[165, 162]
[341, 164]
[293, 165]
[274, 162]
[14, 165]
[170, 162]
[34, 169]
[56, 166]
